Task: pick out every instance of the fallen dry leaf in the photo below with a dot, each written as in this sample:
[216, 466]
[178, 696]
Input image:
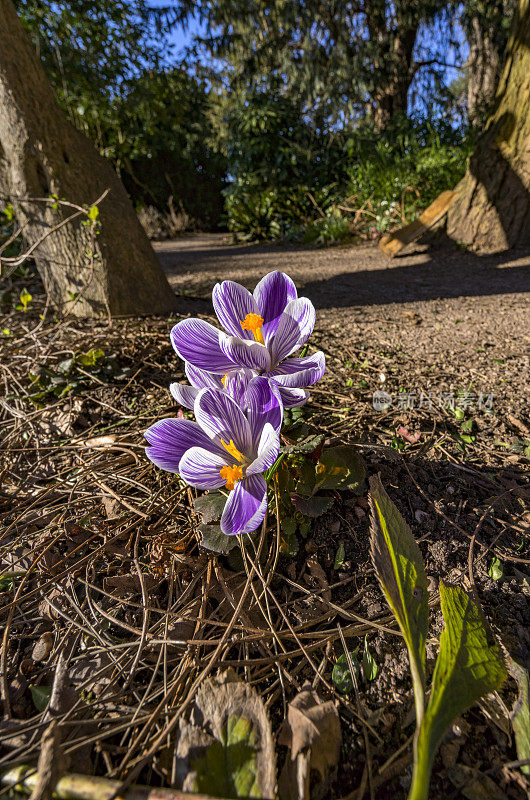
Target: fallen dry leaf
[312, 732]
[226, 749]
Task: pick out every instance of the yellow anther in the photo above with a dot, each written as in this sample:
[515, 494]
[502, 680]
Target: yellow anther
[223, 379]
[254, 323]
[231, 475]
[232, 449]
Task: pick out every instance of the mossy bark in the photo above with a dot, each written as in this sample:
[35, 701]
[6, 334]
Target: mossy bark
[492, 209]
[42, 154]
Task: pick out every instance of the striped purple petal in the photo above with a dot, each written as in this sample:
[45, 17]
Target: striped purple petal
[268, 449]
[197, 341]
[202, 379]
[201, 468]
[264, 405]
[220, 417]
[245, 353]
[236, 385]
[232, 302]
[272, 294]
[170, 438]
[183, 394]
[297, 373]
[246, 506]
[295, 327]
[291, 398]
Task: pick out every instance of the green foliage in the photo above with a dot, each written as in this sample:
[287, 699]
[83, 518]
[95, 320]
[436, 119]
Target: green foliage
[341, 674]
[71, 374]
[469, 663]
[520, 715]
[496, 569]
[401, 171]
[41, 696]
[363, 184]
[399, 567]
[25, 300]
[469, 666]
[228, 767]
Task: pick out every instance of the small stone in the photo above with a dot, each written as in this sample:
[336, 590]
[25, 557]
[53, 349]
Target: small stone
[42, 647]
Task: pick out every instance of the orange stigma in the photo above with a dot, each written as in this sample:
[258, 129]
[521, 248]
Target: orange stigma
[231, 475]
[232, 449]
[223, 379]
[253, 322]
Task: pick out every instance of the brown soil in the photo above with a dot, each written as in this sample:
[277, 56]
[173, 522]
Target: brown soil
[96, 516]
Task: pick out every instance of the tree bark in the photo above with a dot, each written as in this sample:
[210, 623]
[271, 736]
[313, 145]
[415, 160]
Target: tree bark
[390, 96]
[42, 154]
[492, 209]
[483, 66]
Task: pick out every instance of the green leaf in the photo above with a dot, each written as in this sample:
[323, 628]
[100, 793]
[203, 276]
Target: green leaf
[369, 666]
[90, 358]
[231, 753]
[312, 506]
[399, 566]
[93, 213]
[339, 556]
[212, 538]
[469, 666]
[210, 506]
[307, 446]
[340, 468]
[41, 696]
[496, 569]
[520, 715]
[25, 298]
[228, 767]
[8, 211]
[341, 675]
[7, 580]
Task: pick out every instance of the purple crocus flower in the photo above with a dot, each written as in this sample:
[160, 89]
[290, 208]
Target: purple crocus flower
[225, 447]
[233, 383]
[262, 331]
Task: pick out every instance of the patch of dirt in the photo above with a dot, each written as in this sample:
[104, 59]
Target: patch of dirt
[107, 545]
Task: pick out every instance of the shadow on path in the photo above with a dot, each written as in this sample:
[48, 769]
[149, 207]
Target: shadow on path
[343, 276]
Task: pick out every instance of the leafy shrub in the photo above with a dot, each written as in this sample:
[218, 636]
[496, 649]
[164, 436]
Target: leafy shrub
[363, 185]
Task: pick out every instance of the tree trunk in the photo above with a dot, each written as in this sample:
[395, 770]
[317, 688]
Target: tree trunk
[492, 209]
[42, 154]
[483, 67]
[390, 96]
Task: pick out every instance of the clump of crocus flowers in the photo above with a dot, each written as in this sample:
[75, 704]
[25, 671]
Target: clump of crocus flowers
[240, 380]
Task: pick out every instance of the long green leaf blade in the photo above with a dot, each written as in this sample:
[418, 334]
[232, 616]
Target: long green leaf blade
[469, 666]
[520, 715]
[399, 566]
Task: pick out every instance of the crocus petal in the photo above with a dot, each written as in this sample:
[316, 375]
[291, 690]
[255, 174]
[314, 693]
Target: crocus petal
[297, 373]
[184, 395]
[272, 294]
[268, 449]
[236, 385]
[246, 506]
[264, 406]
[202, 379]
[221, 418]
[232, 302]
[252, 355]
[201, 468]
[291, 398]
[197, 341]
[169, 440]
[295, 327]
